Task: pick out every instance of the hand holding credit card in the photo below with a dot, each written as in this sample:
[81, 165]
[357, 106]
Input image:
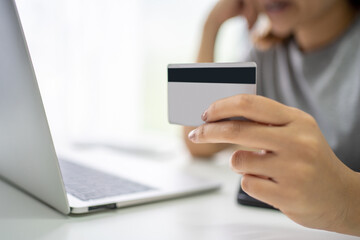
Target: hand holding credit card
[192, 88]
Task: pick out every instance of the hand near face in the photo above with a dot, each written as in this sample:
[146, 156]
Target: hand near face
[226, 9]
[296, 171]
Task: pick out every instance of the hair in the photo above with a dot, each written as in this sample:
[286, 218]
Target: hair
[355, 3]
[268, 39]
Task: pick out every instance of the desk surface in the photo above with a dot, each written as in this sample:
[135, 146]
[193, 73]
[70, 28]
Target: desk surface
[213, 215]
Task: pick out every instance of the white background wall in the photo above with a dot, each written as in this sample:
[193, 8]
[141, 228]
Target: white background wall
[101, 64]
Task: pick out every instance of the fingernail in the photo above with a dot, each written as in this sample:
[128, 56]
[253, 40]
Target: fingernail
[192, 135]
[204, 116]
[261, 152]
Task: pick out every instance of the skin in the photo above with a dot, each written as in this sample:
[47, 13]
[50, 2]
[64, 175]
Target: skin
[295, 170]
[222, 11]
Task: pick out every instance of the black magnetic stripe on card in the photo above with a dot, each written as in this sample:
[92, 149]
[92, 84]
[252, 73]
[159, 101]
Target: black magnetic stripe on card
[246, 75]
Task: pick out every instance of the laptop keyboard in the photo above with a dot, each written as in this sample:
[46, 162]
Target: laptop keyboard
[89, 184]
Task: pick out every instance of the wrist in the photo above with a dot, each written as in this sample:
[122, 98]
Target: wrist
[351, 223]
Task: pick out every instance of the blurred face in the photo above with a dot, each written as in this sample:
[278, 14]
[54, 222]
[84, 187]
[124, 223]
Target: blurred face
[287, 16]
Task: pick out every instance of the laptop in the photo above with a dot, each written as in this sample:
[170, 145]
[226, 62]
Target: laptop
[27, 155]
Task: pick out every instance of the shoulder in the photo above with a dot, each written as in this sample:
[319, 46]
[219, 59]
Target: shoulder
[268, 56]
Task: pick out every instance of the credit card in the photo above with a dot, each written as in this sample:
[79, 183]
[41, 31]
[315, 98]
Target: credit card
[192, 88]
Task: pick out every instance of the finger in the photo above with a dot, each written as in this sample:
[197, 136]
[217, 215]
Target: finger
[262, 189]
[244, 162]
[253, 107]
[244, 133]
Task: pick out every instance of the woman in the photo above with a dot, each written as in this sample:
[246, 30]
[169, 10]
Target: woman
[306, 123]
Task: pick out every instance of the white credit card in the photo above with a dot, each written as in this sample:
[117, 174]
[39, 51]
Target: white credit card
[192, 88]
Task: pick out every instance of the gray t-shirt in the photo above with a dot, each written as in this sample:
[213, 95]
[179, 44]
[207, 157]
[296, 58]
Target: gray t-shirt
[324, 83]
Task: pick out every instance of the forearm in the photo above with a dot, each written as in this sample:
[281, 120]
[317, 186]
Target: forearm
[208, 41]
[206, 54]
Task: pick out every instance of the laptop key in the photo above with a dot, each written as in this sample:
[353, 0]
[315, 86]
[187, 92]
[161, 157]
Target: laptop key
[89, 184]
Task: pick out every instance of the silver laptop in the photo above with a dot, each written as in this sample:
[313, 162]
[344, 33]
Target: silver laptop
[27, 155]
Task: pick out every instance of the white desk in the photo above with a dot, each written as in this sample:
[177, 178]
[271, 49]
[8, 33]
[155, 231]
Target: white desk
[213, 215]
